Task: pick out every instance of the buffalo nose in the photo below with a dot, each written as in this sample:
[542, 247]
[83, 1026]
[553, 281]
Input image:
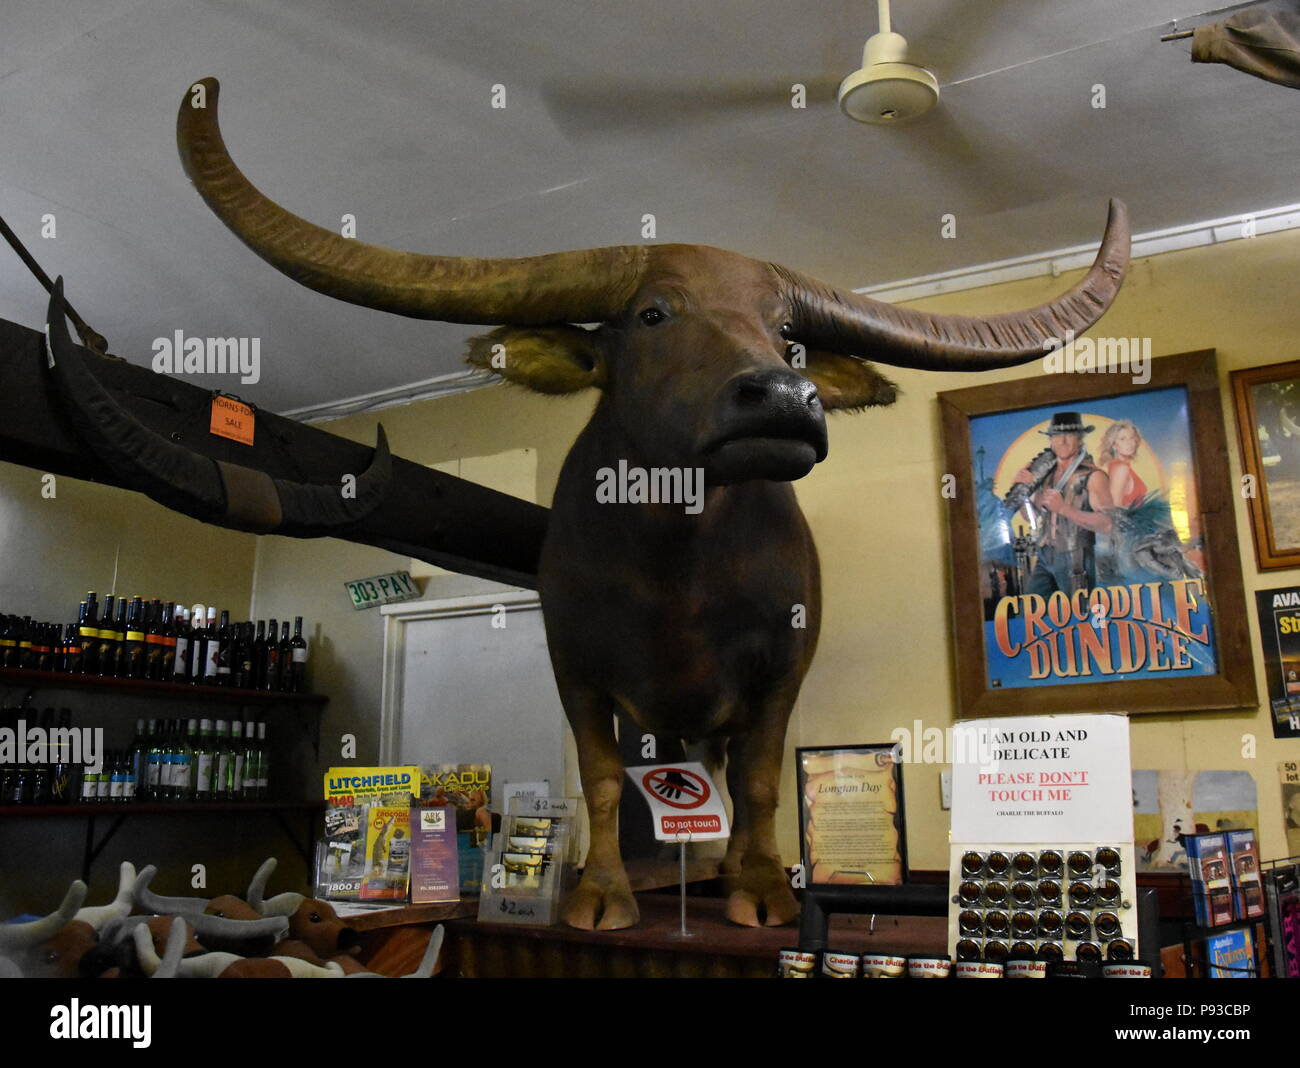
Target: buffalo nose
[773, 389]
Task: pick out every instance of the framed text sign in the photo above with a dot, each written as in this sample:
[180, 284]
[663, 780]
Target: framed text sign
[851, 815]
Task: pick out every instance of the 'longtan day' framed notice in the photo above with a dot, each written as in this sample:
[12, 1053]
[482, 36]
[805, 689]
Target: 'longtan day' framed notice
[851, 815]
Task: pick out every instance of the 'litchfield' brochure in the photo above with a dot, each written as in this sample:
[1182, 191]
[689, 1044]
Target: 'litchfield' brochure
[346, 787]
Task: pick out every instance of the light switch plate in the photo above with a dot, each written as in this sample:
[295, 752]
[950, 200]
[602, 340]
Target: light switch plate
[945, 790]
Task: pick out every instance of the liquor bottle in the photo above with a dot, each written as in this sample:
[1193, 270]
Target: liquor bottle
[104, 787]
[237, 757]
[241, 657]
[8, 643]
[180, 665]
[225, 650]
[263, 762]
[116, 779]
[203, 762]
[42, 653]
[118, 630]
[25, 643]
[153, 777]
[198, 652]
[286, 658]
[61, 775]
[88, 629]
[222, 778]
[271, 679]
[131, 784]
[140, 762]
[298, 659]
[212, 650]
[105, 654]
[131, 656]
[183, 768]
[71, 657]
[259, 656]
[89, 782]
[155, 640]
[248, 788]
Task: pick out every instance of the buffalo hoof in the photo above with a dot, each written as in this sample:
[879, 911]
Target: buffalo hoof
[761, 896]
[603, 901]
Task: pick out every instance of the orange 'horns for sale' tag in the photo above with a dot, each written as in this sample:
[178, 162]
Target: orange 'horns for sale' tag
[232, 420]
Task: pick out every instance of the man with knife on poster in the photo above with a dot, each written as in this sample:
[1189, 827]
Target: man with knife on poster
[1076, 494]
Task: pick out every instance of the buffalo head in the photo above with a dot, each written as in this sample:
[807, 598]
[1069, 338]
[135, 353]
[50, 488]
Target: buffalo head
[706, 358]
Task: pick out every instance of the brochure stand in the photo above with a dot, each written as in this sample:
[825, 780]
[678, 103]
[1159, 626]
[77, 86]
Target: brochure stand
[524, 880]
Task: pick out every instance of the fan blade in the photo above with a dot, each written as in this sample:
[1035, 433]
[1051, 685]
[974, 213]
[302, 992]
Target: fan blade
[603, 109]
[971, 168]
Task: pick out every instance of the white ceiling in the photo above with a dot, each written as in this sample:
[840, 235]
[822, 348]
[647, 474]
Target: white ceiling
[382, 109]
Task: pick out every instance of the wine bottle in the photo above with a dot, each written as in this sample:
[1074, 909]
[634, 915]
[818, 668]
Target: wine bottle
[131, 664]
[140, 762]
[211, 649]
[180, 664]
[153, 790]
[88, 629]
[259, 656]
[286, 659]
[203, 762]
[298, 659]
[248, 788]
[222, 778]
[117, 628]
[225, 650]
[263, 762]
[271, 680]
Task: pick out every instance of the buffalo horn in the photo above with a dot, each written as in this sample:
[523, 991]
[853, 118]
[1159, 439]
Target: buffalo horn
[214, 491]
[856, 325]
[586, 285]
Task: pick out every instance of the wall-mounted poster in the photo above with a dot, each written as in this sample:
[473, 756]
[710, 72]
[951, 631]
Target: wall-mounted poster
[1289, 777]
[851, 815]
[1267, 400]
[1169, 805]
[1279, 631]
[1084, 573]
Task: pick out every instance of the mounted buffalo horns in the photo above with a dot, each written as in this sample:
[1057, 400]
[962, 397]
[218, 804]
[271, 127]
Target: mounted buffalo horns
[593, 285]
[214, 491]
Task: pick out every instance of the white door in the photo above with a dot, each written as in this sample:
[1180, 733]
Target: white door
[469, 680]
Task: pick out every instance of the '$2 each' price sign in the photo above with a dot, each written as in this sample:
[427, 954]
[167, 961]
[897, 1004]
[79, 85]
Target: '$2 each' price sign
[684, 803]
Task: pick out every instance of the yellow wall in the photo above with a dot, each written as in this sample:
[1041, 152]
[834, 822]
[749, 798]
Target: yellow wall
[886, 653]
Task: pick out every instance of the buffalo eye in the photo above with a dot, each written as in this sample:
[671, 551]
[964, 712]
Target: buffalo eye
[51, 957]
[652, 317]
[314, 917]
[787, 330]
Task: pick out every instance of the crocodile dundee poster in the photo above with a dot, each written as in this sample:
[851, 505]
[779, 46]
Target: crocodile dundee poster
[1091, 554]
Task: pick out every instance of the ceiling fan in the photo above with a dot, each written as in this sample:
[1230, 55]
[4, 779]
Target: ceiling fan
[970, 161]
[887, 89]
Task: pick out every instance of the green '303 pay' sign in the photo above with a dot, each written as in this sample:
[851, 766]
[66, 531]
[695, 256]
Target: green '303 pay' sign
[382, 589]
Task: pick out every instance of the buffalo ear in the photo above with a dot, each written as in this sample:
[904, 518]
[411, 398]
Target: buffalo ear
[846, 383]
[545, 359]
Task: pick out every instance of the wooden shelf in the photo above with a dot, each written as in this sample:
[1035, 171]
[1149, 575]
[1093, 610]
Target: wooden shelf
[157, 808]
[150, 688]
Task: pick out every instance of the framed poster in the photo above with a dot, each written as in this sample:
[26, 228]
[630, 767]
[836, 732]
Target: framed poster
[851, 815]
[1278, 611]
[1267, 400]
[1085, 576]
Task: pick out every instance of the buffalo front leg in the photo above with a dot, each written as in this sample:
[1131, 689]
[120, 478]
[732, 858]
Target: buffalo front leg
[603, 898]
[758, 888]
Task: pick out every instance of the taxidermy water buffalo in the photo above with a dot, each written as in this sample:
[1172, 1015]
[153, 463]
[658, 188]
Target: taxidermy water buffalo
[707, 361]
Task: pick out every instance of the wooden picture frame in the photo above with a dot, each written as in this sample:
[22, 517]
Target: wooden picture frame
[1222, 673]
[863, 784]
[1277, 545]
